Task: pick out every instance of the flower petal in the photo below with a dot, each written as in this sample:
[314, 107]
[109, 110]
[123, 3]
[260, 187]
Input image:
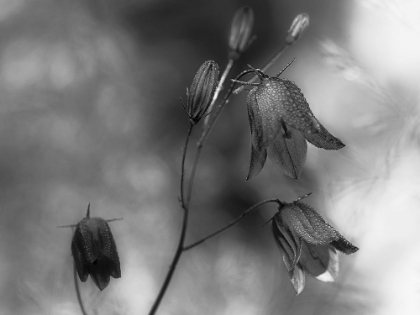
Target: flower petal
[264, 114]
[288, 152]
[297, 277]
[81, 268]
[99, 271]
[257, 162]
[308, 224]
[83, 240]
[109, 250]
[289, 243]
[323, 139]
[344, 246]
[294, 108]
[319, 261]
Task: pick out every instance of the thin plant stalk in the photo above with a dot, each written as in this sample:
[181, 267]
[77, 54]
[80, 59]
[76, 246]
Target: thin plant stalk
[264, 69]
[76, 284]
[232, 223]
[206, 132]
[185, 207]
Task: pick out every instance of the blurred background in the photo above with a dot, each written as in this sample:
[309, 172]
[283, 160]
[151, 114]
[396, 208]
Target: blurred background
[89, 110]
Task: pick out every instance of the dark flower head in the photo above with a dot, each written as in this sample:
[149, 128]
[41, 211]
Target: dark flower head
[280, 120]
[94, 251]
[240, 32]
[299, 24]
[203, 87]
[308, 243]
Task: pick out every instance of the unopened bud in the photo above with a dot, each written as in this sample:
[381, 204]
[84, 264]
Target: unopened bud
[240, 32]
[300, 23]
[201, 93]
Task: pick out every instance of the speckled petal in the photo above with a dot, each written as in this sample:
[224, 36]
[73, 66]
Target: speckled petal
[306, 222]
[257, 162]
[289, 242]
[293, 107]
[264, 114]
[109, 250]
[288, 152]
[312, 227]
[323, 139]
[84, 240]
[344, 246]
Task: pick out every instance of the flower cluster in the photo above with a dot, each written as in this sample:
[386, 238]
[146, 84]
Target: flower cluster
[308, 243]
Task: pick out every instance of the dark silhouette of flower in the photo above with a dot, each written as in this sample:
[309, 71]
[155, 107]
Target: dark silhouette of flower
[94, 251]
[240, 32]
[280, 120]
[203, 87]
[308, 243]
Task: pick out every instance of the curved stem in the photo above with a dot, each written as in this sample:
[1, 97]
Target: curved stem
[207, 128]
[267, 65]
[76, 284]
[183, 232]
[232, 223]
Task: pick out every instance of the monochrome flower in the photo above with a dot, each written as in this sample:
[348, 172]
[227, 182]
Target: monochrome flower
[308, 243]
[280, 120]
[94, 251]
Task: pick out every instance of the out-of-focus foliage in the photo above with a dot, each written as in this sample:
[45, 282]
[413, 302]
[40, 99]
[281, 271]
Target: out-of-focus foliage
[89, 112]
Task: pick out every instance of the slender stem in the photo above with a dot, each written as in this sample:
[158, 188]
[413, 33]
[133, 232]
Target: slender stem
[183, 232]
[208, 123]
[184, 154]
[232, 223]
[268, 65]
[76, 284]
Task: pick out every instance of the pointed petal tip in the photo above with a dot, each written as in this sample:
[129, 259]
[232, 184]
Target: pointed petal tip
[344, 246]
[325, 277]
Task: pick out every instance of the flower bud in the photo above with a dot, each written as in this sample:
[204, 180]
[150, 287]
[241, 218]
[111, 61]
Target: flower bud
[300, 23]
[94, 251]
[240, 32]
[201, 93]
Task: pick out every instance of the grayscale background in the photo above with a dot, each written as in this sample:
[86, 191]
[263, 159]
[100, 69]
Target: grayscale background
[90, 112]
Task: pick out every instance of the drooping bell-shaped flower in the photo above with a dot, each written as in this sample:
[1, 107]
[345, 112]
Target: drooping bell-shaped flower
[94, 251]
[201, 92]
[280, 120]
[308, 243]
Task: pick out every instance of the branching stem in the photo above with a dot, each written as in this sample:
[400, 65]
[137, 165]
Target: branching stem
[178, 252]
[232, 223]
